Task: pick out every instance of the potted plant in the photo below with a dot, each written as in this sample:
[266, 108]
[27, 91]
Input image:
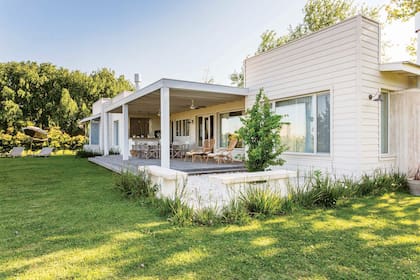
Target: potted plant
[414, 182]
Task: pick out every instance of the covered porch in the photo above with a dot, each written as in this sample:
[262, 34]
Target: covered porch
[166, 114]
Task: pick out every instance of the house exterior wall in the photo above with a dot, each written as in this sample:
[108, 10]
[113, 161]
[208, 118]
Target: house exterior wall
[344, 60]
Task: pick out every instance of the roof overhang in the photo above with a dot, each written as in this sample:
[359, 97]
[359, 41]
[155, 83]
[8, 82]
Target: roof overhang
[90, 118]
[404, 68]
[181, 93]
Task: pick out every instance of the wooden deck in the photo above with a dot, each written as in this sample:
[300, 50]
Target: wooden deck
[116, 164]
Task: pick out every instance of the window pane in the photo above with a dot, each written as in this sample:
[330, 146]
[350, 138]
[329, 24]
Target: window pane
[94, 133]
[298, 133]
[323, 123]
[384, 122]
[229, 124]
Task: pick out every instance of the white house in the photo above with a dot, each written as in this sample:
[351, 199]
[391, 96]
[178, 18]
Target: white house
[347, 112]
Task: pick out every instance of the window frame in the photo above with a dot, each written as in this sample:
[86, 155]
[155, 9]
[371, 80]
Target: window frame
[388, 119]
[315, 104]
[219, 126]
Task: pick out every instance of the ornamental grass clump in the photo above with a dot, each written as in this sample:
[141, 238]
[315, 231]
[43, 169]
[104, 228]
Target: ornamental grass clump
[261, 200]
[135, 185]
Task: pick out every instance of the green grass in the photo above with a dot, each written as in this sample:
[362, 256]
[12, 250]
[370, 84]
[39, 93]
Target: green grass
[61, 218]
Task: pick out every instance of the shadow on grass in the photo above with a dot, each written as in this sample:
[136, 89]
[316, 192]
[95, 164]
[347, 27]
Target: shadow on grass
[62, 218]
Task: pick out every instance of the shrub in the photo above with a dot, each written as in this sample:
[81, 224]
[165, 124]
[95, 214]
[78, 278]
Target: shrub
[261, 200]
[235, 213]
[87, 154]
[261, 134]
[135, 185]
[206, 216]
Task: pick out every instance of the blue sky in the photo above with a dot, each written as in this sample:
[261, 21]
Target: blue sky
[174, 39]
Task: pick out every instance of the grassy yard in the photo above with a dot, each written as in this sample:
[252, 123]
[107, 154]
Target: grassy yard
[61, 218]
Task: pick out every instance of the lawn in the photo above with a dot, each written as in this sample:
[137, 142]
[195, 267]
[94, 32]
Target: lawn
[61, 218]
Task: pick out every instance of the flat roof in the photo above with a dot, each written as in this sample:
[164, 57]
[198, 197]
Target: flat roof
[402, 67]
[92, 117]
[179, 85]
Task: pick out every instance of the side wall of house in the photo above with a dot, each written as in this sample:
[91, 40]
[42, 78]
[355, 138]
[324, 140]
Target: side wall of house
[371, 82]
[326, 60]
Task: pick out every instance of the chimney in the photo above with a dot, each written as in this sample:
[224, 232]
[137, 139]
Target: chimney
[137, 80]
[418, 36]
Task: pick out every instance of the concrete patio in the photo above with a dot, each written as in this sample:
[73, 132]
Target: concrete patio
[116, 164]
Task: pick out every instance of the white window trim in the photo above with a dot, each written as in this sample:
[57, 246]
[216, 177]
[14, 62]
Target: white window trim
[387, 155]
[315, 153]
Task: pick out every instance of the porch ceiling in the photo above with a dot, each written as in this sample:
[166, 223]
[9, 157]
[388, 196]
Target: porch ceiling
[180, 101]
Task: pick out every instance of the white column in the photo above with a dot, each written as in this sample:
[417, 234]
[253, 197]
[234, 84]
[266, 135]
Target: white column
[106, 133]
[101, 131]
[164, 128]
[125, 149]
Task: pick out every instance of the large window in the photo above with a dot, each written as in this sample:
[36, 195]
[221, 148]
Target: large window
[182, 128]
[94, 133]
[307, 123]
[384, 121]
[229, 124]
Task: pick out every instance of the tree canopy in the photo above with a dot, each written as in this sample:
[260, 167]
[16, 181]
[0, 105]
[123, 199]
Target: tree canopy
[318, 14]
[402, 9]
[46, 95]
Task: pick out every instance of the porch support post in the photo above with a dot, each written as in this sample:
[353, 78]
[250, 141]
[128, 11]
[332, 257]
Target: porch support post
[106, 133]
[125, 148]
[164, 128]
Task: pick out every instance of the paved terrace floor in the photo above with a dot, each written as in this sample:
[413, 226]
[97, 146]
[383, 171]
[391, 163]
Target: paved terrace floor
[116, 164]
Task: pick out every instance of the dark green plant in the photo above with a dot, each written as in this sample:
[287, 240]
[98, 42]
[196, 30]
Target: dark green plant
[261, 135]
[87, 154]
[135, 185]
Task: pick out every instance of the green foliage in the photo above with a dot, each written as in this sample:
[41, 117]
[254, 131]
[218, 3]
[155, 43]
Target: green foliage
[87, 154]
[402, 9]
[324, 191]
[67, 222]
[47, 95]
[261, 200]
[261, 135]
[235, 213]
[207, 216]
[135, 185]
[318, 14]
[237, 79]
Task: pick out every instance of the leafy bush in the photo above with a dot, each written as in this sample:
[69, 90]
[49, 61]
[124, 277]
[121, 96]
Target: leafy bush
[261, 200]
[235, 213]
[87, 154]
[135, 185]
[261, 134]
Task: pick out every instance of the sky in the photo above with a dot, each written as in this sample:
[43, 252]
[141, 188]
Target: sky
[188, 40]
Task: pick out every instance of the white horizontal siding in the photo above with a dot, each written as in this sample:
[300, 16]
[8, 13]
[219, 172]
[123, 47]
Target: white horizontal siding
[371, 82]
[321, 61]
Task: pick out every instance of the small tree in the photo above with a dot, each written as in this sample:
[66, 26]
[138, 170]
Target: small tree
[261, 135]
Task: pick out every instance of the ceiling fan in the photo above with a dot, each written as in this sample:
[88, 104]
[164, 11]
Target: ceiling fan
[194, 107]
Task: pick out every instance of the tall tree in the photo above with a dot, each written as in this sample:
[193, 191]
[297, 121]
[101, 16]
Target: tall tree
[46, 95]
[402, 9]
[237, 79]
[318, 14]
